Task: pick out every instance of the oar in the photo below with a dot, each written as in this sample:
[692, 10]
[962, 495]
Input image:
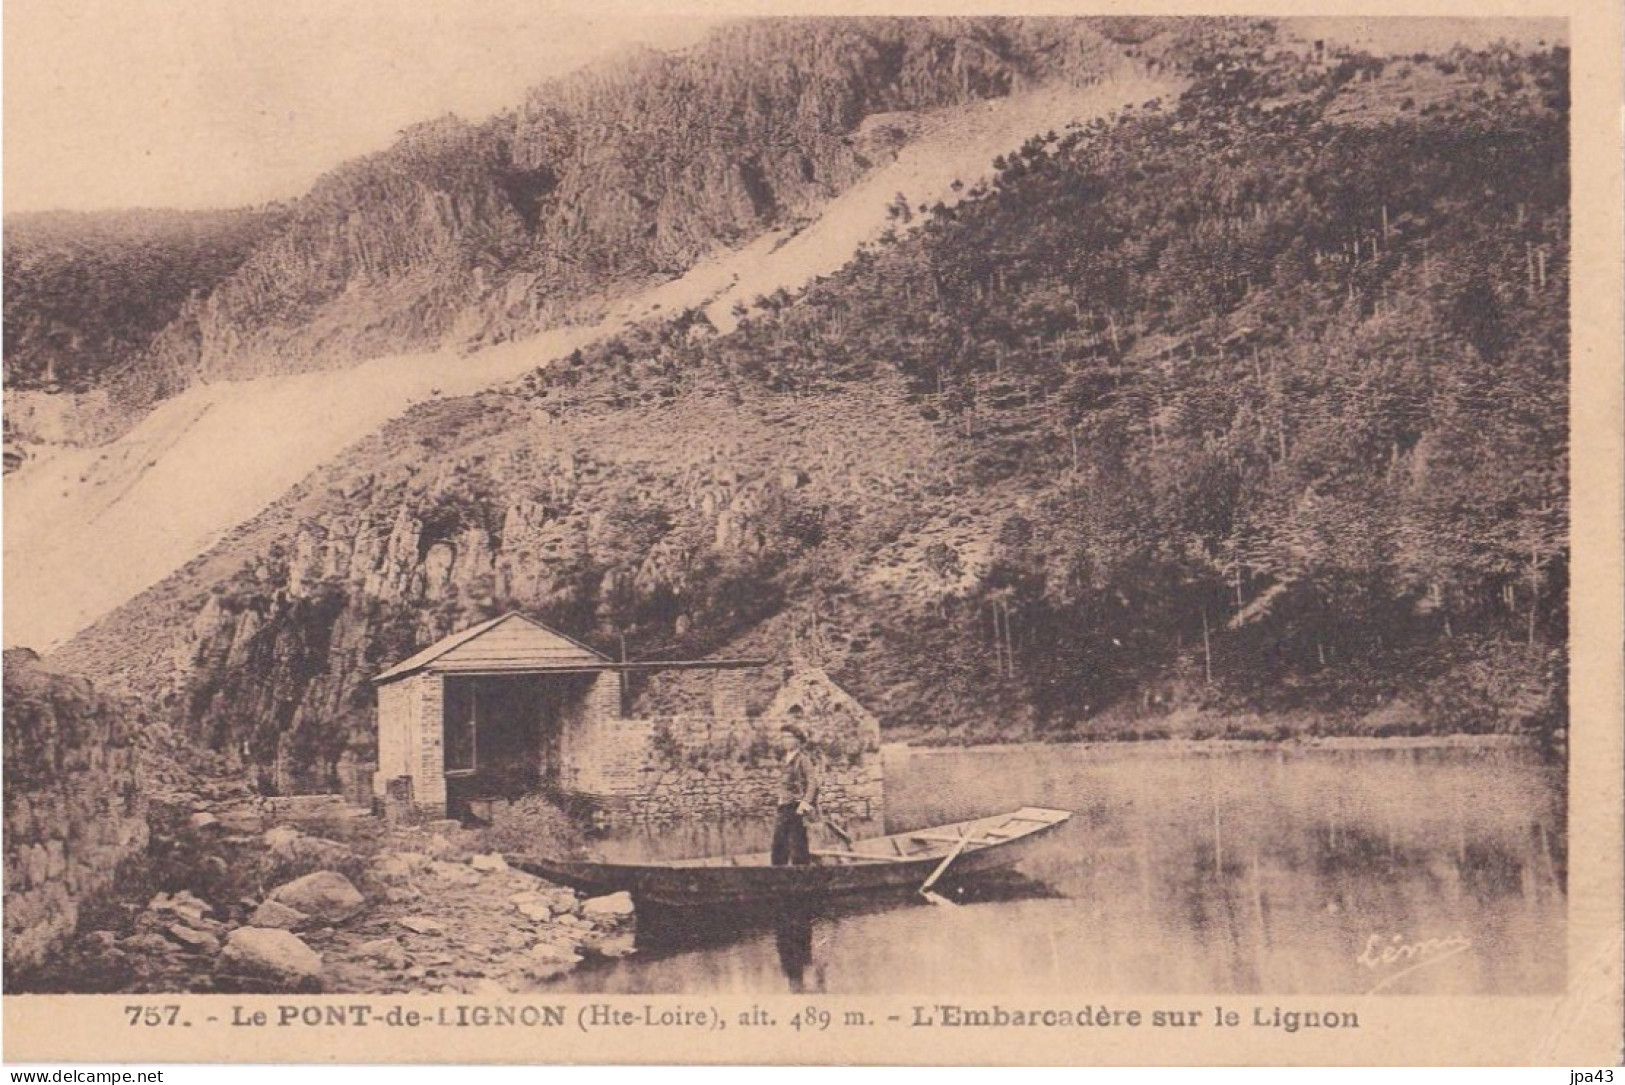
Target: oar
[840, 831]
[835, 827]
[925, 890]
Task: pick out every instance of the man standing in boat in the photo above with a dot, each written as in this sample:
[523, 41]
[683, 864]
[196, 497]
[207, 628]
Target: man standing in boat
[798, 796]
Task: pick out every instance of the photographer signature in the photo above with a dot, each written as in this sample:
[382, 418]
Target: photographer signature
[1379, 954]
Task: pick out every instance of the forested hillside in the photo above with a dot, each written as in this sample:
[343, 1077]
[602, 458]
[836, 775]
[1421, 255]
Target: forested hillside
[86, 293]
[1281, 371]
[1241, 414]
[1280, 368]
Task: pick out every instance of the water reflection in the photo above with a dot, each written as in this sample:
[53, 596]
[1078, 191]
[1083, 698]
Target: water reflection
[1184, 870]
[664, 934]
[793, 934]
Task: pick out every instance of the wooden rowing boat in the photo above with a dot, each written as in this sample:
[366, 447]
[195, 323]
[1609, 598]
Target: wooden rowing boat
[896, 861]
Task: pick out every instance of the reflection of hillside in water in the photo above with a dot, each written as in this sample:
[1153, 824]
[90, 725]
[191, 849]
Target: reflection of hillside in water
[1264, 870]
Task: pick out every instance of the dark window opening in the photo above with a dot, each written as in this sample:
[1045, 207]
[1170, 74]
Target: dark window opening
[502, 732]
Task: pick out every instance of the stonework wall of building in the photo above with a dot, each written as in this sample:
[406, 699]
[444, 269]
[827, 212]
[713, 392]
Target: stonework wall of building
[597, 748]
[74, 814]
[670, 768]
[429, 753]
[729, 692]
[707, 767]
[397, 718]
[411, 776]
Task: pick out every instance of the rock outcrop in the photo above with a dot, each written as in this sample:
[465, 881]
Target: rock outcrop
[402, 923]
[567, 520]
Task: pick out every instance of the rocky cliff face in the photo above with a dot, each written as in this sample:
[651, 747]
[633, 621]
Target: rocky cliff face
[86, 292]
[378, 257]
[74, 809]
[467, 508]
[598, 183]
[601, 183]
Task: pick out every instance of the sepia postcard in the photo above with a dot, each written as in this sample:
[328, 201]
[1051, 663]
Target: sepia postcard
[982, 534]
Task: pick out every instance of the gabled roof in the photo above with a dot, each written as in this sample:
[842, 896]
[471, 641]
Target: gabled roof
[527, 645]
[813, 684]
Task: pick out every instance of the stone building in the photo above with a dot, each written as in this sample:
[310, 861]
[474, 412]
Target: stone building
[510, 707]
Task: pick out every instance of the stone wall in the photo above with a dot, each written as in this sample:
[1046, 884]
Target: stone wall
[708, 767]
[669, 768]
[74, 813]
[397, 720]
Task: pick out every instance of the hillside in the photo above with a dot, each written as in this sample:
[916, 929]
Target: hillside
[601, 184]
[86, 293]
[207, 459]
[1242, 412]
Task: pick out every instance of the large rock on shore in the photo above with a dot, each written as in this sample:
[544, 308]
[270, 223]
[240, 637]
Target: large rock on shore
[385, 951]
[395, 866]
[325, 895]
[291, 845]
[273, 913]
[194, 940]
[270, 954]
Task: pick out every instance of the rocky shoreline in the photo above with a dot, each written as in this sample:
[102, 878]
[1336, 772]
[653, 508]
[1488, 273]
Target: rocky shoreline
[350, 906]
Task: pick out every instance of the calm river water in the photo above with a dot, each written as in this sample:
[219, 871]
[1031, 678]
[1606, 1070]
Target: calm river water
[1186, 868]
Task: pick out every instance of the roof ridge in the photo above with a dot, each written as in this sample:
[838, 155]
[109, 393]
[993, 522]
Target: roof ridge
[425, 656]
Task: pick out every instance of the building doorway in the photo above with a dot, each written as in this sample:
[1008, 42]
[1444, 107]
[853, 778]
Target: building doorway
[501, 734]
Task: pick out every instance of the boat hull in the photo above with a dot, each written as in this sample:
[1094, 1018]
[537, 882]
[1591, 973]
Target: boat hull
[749, 880]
